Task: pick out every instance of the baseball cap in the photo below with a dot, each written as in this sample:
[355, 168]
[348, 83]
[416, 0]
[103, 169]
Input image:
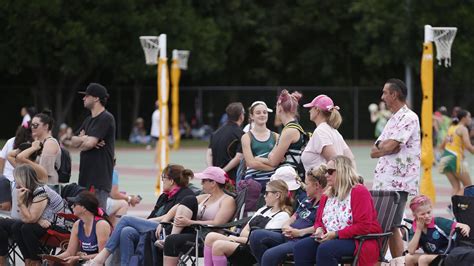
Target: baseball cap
[212, 173]
[262, 103]
[287, 174]
[86, 199]
[5, 190]
[322, 102]
[96, 90]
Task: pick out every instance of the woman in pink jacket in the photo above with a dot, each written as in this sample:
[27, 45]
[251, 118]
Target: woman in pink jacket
[345, 210]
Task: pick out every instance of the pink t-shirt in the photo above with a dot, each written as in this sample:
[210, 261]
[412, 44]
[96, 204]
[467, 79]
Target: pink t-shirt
[323, 135]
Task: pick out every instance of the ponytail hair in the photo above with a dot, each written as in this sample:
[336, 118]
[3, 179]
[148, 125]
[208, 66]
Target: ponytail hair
[335, 119]
[46, 117]
[289, 102]
[229, 184]
[178, 174]
[460, 115]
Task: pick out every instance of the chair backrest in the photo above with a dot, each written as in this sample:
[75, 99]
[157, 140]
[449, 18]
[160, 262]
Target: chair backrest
[386, 204]
[463, 210]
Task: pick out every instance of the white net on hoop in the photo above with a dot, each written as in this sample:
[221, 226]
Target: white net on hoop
[443, 39]
[183, 56]
[150, 48]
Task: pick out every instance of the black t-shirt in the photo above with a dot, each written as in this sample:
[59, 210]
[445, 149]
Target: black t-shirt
[96, 165]
[164, 204]
[225, 143]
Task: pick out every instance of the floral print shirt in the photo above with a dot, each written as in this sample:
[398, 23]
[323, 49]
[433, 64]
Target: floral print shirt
[337, 214]
[400, 171]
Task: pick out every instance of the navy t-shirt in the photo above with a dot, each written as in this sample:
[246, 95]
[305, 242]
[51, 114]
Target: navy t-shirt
[96, 165]
[305, 214]
[436, 238]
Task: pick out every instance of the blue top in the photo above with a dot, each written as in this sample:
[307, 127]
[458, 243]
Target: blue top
[88, 244]
[305, 214]
[114, 178]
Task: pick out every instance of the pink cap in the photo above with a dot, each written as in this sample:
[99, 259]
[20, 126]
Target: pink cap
[322, 102]
[212, 173]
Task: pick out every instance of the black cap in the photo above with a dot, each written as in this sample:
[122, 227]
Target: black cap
[86, 199]
[96, 90]
[5, 190]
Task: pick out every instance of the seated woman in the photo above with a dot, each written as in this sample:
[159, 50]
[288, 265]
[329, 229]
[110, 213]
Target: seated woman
[37, 204]
[218, 247]
[127, 232]
[271, 248]
[90, 233]
[429, 232]
[258, 142]
[213, 208]
[345, 210]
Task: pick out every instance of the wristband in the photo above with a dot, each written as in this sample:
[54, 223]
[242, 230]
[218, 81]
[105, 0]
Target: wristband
[337, 235]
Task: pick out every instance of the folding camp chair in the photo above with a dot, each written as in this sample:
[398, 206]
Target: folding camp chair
[57, 236]
[463, 253]
[386, 203]
[195, 248]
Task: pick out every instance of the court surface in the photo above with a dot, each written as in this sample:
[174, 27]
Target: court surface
[137, 174]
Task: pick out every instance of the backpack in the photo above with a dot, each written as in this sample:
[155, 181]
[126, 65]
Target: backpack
[64, 171]
[306, 136]
[253, 193]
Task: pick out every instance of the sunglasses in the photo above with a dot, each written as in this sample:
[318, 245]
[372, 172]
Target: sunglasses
[34, 125]
[267, 192]
[330, 171]
[206, 180]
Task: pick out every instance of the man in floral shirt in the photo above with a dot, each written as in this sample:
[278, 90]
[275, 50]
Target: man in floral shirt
[398, 149]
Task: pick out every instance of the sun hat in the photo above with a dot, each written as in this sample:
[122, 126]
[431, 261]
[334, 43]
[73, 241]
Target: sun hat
[212, 173]
[287, 174]
[322, 102]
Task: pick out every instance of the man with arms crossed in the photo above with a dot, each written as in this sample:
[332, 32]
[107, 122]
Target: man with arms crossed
[96, 140]
[398, 151]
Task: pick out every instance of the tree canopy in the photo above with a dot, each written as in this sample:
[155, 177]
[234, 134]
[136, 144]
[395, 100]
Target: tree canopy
[55, 47]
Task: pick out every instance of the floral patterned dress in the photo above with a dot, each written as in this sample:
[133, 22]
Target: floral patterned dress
[400, 171]
[337, 214]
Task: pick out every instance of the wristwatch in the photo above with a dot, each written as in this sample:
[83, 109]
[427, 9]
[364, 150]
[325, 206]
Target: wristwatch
[377, 143]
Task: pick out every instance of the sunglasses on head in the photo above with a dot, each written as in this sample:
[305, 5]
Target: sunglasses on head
[330, 171]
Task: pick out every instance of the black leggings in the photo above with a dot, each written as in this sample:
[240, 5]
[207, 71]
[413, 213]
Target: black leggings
[28, 236]
[5, 234]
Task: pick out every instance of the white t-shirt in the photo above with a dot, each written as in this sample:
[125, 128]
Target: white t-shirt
[155, 124]
[323, 135]
[277, 221]
[8, 168]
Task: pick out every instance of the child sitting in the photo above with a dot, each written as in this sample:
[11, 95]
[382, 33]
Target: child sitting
[430, 233]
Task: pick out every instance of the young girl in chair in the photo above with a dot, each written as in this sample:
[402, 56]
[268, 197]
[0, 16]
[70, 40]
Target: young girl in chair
[429, 232]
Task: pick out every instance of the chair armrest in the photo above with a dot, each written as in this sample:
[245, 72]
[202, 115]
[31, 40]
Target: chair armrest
[373, 236]
[240, 222]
